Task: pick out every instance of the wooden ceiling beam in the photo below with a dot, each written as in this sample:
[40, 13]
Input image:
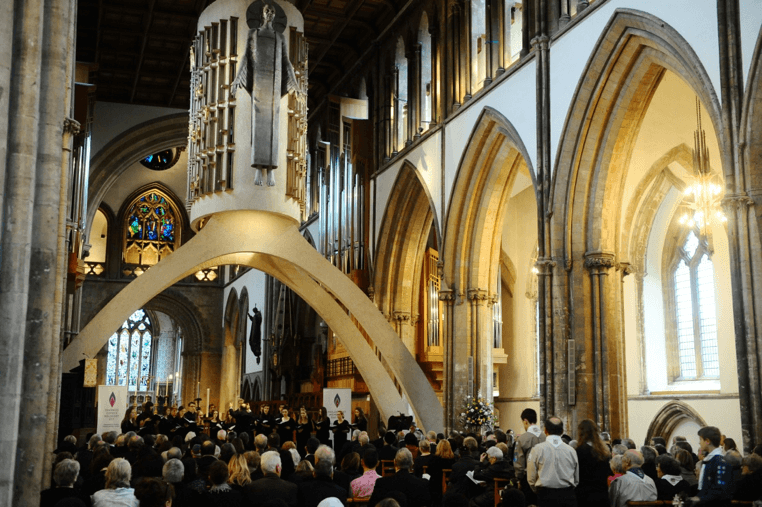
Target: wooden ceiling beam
[337, 33]
[199, 8]
[146, 27]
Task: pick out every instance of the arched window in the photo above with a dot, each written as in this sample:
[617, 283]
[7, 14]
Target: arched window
[695, 310]
[400, 110]
[424, 39]
[151, 229]
[129, 353]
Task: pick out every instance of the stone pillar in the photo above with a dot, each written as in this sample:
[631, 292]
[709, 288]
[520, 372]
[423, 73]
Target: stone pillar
[447, 296]
[744, 246]
[43, 339]
[401, 324]
[466, 53]
[436, 76]
[480, 306]
[454, 49]
[598, 265]
[565, 16]
[18, 212]
[6, 57]
[414, 104]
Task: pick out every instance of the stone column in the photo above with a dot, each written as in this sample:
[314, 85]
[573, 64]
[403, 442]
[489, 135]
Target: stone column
[565, 16]
[414, 94]
[18, 211]
[401, 323]
[480, 306]
[598, 265]
[436, 76]
[743, 243]
[454, 48]
[42, 343]
[6, 58]
[447, 296]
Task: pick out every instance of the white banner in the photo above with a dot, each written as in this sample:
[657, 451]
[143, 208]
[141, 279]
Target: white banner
[336, 400]
[112, 404]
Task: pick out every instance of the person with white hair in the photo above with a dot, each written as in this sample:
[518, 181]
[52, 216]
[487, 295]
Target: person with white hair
[271, 486]
[634, 485]
[416, 490]
[65, 475]
[118, 492]
[492, 466]
[325, 452]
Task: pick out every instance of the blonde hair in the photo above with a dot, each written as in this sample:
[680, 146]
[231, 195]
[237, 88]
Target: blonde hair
[238, 470]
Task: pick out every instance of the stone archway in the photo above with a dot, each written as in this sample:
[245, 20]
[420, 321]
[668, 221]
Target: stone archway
[472, 246]
[272, 243]
[587, 190]
[230, 377]
[670, 417]
[405, 228]
[108, 165]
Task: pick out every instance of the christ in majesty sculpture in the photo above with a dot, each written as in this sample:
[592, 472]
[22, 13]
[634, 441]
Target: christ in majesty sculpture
[267, 74]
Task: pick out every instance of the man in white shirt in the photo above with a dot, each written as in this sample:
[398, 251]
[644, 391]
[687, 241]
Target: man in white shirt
[553, 469]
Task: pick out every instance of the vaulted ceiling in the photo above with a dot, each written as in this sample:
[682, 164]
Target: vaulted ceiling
[140, 48]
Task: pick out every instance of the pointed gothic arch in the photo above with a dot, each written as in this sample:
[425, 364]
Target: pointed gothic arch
[669, 418]
[493, 158]
[110, 163]
[405, 228]
[587, 245]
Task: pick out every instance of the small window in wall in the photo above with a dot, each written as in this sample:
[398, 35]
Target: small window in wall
[478, 44]
[150, 227]
[424, 39]
[400, 108]
[162, 160]
[129, 353]
[695, 310]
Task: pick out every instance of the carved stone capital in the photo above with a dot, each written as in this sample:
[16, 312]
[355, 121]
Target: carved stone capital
[541, 42]
[544, 265]
[734, 202]
[371, 293]
[478, 296]
[447, 295]
[71, 126]
[625, 268]
[599, 260]
[414, 319]
[401, 316]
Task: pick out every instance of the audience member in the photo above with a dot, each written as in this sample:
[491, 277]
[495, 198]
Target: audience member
[493, 466]
[593, 456]
[118, 491]
[64, 475]
[271, 485]
[362, 487]
[423, 459]
[634, 484]
[238, 472]
[715, 484]
[616, 468]
[313, 492]
[415, 490]
[533, 435]
[670, 482]
[749, 487]
[553, 469]
[153, 492]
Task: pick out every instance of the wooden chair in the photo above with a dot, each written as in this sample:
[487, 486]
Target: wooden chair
[445, 478]
[633, 503]
[359, 500]
[387, 467]
[499, 484]
[742, 502]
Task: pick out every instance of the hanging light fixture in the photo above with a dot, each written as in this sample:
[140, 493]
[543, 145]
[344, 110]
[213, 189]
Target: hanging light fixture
[704, 193]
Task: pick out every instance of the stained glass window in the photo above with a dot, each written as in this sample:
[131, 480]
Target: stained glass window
[695, 308]
[162, 160]
[129, 353]
[150, 229]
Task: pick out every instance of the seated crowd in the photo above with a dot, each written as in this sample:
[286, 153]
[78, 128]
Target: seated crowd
[542, 467]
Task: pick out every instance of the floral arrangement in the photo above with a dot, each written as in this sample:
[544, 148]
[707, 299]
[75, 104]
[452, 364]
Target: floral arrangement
[478, 412]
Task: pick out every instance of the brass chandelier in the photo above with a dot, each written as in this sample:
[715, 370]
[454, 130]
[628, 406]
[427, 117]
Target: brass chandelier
[703, 195]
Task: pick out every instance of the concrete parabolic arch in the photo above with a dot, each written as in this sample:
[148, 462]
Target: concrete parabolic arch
[272, 243]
